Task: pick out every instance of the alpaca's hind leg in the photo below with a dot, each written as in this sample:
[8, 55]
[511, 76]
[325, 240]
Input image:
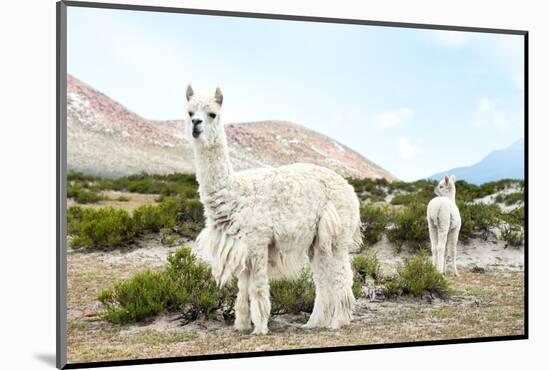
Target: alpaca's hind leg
[433, 241]
[341, 292]
[440, 250]
[452, 242]
[260, 305]
[242, 304]
[322, 310]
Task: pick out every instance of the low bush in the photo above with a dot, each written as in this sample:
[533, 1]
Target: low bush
[82, 195]
[512, 227]
[367, 266]
[185, 285]
[410, 227]
[374, 221]
[97, 228]
[478, 220]
[416, 277]
[514, 198]
[293, 295]
[109, 227]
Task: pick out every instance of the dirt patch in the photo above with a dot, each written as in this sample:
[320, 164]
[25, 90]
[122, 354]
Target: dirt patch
[489, 254]
[112, 199]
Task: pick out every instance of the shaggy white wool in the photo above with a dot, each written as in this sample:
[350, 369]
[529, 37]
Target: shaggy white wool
[444, 224]
[266, 223]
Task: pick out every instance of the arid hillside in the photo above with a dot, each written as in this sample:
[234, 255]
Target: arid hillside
[105, 138]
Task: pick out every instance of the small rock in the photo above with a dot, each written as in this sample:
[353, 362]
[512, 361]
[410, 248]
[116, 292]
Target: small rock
[478, 270]
[89, 314]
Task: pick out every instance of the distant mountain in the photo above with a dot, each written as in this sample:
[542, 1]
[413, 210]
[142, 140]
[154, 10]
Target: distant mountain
[499, 164]
[105, 138]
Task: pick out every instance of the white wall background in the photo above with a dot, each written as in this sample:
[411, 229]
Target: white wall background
[27, 181]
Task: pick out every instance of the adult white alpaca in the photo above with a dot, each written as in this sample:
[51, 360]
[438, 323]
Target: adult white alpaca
[265, 223]
[444, 223]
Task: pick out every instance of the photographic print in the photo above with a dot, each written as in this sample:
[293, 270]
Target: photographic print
[236, 185]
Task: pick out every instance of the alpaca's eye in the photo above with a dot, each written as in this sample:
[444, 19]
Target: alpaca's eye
[212, 115]
[191, 114]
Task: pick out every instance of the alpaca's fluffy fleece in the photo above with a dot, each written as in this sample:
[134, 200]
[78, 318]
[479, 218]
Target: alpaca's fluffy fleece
[266, 223]
[444, 223]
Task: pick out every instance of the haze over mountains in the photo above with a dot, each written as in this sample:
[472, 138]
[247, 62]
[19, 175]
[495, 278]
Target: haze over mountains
[105, 138]
[506, 163]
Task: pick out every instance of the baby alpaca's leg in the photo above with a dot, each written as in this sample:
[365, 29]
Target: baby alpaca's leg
[440, 250]
[433, 240]
[452, 242]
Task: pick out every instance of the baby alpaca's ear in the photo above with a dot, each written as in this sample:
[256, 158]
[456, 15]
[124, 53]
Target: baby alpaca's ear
[453, 178]
[218, 96]
[446, 180]
[189, 93]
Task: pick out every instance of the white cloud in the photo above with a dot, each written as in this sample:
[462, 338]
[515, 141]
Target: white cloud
[487, 113]
[486, 105]
[407, 150]
[393, 118]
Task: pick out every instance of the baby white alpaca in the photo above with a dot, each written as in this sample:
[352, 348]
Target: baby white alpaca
[266, 223]
[444, 223]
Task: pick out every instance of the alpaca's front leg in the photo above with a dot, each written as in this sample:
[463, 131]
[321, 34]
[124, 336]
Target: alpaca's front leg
[242, 304]
[260, 305]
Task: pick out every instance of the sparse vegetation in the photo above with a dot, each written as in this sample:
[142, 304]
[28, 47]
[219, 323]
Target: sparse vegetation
[292, 295]
[367, 266]
[410, 228]
[416, 277]
[478, 220]
[109, 227]
[374, 221]
[185, 285]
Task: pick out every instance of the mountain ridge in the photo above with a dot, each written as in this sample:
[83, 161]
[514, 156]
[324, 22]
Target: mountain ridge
[506, 163]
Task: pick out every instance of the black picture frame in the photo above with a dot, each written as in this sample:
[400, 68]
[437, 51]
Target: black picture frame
[61, 172]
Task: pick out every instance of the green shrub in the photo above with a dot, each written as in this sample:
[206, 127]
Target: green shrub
[152, 218]
[478, 220]
[293, 295]
[82, 195]
[108, 227]
[143, 295]
[514, 198]
[123, 198]
[410, 227]
[374, 221]
[367, 266]
[103, 227]
[512, 227]
[512, 234]
[417, 276]
[185, 285]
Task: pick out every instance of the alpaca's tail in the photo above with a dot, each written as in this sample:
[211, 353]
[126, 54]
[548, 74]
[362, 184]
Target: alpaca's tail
[328, 229]
[331, 234]
[357, 236]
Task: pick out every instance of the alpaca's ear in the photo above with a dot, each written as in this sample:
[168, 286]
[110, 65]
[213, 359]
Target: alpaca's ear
[218, 96]
[453, 178]
[446, 180]
[189, 92]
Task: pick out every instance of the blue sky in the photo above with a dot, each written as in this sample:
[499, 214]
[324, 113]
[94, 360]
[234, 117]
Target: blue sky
[414, 101]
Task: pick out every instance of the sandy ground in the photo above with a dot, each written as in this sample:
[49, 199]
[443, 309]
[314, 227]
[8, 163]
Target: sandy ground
[134, 201]
[480, 304]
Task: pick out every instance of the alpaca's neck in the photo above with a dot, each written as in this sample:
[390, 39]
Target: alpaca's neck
[214, 170]
[451, 196]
